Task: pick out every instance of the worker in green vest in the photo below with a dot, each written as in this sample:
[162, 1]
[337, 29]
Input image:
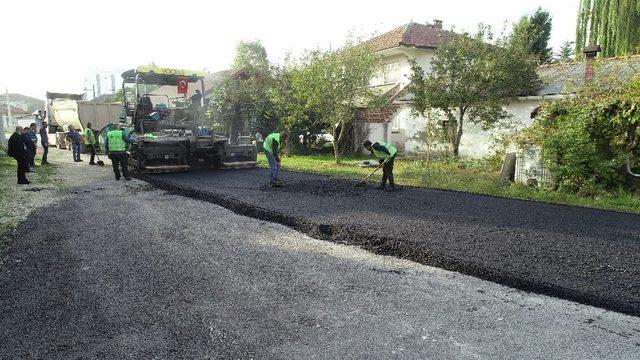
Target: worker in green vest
[116, 148]
[272, 145]
[386, 154]
[90, 142]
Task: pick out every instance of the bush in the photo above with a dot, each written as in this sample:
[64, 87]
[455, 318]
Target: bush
[585, 140]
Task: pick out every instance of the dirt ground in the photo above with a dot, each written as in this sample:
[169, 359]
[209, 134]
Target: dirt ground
[585, 255]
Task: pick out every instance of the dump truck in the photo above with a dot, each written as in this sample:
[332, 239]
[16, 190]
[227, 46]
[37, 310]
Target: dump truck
[98, 114]
[62, 111]
[165, 110]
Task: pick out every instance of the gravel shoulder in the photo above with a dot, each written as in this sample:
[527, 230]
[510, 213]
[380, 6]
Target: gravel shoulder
[48, 186]
[121, 270]
[584, 255]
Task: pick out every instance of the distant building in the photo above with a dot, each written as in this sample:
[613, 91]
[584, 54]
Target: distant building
[102, 82]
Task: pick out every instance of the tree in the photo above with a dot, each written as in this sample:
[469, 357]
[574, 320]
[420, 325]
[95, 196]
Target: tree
[331, 84]
[532, 33]
[587, 139]
[565, 54]
[240, 95]
[118, 97]
[290, 109]
[612, 24]
[250, 54]
[471, 80]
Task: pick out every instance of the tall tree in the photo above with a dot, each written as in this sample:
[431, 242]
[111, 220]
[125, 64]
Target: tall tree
[250, 54]
[331, 85]
[239, 96]
[532, 34]
[471, 80]
[612, 24]
[566, 52]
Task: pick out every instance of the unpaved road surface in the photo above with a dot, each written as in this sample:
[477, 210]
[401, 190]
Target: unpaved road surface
[584, 255]
[121, 270]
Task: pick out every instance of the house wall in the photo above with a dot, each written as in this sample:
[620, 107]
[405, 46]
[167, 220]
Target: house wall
[404, 127]
[475, 143]
[394, 132]
[376, 132]
[395, 66]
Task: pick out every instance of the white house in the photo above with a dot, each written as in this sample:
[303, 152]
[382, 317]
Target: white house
[397, 124]
[394, 123]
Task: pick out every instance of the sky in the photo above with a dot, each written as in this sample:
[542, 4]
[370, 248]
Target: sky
[51, 45]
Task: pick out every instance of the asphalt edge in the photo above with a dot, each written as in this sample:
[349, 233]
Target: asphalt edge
[417, 187]
[401, 249]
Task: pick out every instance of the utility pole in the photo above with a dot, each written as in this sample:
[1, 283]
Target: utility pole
[3, 140]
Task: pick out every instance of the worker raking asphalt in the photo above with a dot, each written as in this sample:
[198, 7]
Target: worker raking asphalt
[580, 254]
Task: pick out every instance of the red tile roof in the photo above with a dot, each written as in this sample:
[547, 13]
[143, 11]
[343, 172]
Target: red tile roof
[384, 114]
[412, 35]
[379, 116]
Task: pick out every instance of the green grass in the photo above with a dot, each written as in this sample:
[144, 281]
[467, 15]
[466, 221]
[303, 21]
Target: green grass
[15, 203]
[479, 177]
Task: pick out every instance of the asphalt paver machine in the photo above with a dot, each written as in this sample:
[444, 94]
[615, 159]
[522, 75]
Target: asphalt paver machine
[165, 109]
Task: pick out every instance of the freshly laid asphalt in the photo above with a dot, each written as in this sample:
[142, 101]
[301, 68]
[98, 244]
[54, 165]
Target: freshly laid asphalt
[584, 255]
[119, 270]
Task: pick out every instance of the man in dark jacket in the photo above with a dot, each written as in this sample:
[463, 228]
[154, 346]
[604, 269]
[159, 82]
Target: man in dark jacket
[73, 136]
[44, 141]
[32, 145]
[18, 150]
[26, 139]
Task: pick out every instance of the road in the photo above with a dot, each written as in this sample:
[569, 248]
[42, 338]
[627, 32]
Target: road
[580, 254]
[127, 271]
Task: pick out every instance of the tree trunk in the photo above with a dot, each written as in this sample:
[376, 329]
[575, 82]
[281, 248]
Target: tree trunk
[235, 125]
[458, 135]
[336, 141]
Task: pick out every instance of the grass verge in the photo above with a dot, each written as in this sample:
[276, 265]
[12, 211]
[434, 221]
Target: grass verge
[479, 177]
[16, 202]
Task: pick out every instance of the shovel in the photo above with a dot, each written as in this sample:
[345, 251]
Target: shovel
[364, 181]
[100, 162]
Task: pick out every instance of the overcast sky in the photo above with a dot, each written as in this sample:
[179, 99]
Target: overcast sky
[50, 45]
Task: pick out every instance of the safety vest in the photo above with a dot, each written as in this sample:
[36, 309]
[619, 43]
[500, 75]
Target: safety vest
[89, 137]
[269, 140]
[381, 154]
[116, 141]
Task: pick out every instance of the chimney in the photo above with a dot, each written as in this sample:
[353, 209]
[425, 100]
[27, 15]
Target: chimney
[590, 53]
[437, 24]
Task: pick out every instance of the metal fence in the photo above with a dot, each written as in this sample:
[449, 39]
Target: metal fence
[529, 166]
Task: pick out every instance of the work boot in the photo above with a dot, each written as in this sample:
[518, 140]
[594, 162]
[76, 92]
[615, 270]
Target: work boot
[127, 178]
[380, 187]
[24, 182]
[92, 163]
